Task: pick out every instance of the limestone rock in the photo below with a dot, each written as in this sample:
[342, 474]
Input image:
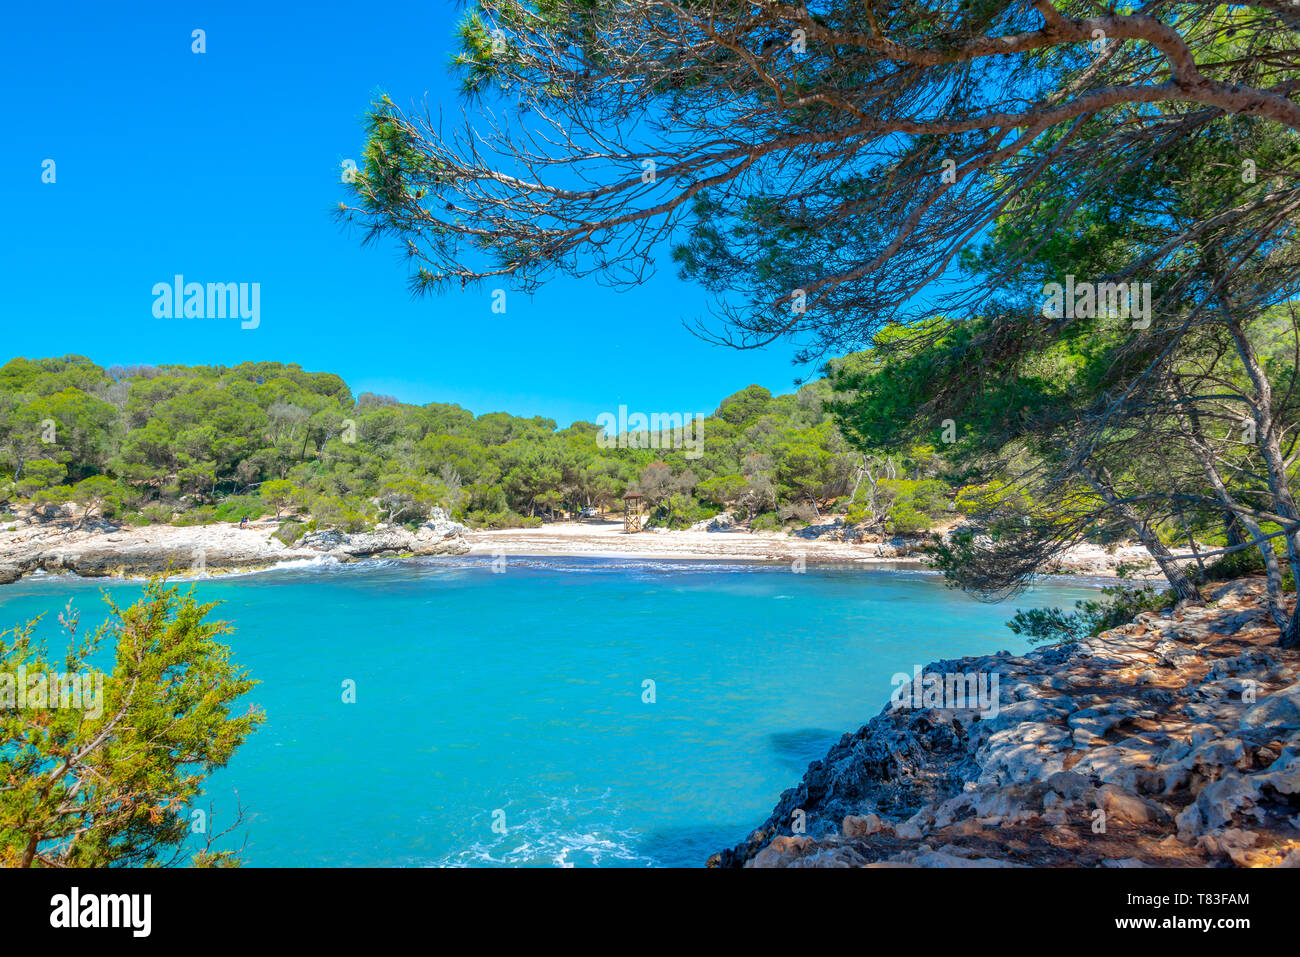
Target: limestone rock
[1160, 743]
[861, 825]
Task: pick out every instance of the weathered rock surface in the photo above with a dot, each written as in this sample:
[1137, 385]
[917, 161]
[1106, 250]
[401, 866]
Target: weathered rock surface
[722, 522]
[438, 536]
[103, 549]
[1171, 741]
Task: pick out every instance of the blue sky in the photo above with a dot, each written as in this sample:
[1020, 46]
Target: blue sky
[224, 167]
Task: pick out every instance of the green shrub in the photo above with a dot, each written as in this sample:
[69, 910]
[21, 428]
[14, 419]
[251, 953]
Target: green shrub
[722, 489]
[1234, 565]
[149, 515]
[907, 519]
[346, 513]
[1092, 617]
[501, 519]
[914, 504]
[237, 507]
[682, 511]
[199, 515]
[1248, 561]
[290, 532]
[801, 514]
[857, 514]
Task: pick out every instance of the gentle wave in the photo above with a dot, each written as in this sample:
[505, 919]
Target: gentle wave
[546, 836]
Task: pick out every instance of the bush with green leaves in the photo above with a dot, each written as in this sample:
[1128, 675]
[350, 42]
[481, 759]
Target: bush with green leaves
[800, 514]
[914, 505]
[290, 532]
[722, 491]
[1247, 561]
[682, 511]
[503, 519]
[112, 782]
[198, 515]
[148, 515]
[34, 476]
[348, 513]
[1091, 617]
[857, 514]
[236, 507]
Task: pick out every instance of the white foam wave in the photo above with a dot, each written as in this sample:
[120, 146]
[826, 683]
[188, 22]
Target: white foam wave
[558, 831]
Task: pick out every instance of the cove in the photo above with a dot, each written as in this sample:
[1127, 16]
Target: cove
[517, 699]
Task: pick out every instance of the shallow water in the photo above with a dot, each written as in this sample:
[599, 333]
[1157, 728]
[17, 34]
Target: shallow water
[522, 693]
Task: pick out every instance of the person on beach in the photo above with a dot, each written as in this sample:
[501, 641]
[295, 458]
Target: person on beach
[243, 522]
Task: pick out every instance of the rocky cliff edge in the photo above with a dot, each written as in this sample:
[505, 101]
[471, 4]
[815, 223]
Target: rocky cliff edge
[1171, 741]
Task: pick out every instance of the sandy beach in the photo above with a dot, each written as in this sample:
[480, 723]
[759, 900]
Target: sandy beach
[107, 549]
[608, 539]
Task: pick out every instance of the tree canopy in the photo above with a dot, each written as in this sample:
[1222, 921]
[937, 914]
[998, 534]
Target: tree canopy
[207, 443]
[820, 166]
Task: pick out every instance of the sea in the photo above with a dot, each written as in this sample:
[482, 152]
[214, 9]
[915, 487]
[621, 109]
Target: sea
[546, 712]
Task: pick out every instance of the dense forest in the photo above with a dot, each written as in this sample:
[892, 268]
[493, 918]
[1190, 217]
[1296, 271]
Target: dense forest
[191, 444]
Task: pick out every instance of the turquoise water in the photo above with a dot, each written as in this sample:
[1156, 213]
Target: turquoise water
[522, 692]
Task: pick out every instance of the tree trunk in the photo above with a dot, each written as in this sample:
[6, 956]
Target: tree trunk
[1232, 529]
[859, 471]
[1266, 434]
[29, 852]
[1183, 586]
[84, 515]
[1234, 521]
[1291, 636]
[1191, 543]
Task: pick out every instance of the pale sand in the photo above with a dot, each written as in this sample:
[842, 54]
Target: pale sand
[597, 539]
[605, 539]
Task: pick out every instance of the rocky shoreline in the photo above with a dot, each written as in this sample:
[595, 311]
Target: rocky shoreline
[1173, 741]
[106, 550]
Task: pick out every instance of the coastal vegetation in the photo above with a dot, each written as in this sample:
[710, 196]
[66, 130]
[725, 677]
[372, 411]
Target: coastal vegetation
[197, 444]
[101, 769]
